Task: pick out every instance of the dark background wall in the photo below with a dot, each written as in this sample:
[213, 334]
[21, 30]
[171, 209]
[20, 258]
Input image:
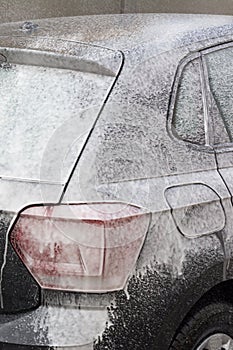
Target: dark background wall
[17, 10]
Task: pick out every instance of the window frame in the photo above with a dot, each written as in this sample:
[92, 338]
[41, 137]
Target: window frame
[206, 94]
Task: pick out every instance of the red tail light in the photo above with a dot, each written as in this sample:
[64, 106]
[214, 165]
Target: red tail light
[80, 247]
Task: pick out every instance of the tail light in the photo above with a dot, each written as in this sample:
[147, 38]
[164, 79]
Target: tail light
[80, 247]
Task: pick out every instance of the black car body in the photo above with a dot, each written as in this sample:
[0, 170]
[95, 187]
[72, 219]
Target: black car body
[120, 124]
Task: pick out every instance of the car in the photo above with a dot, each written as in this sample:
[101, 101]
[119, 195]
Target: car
[116, 183]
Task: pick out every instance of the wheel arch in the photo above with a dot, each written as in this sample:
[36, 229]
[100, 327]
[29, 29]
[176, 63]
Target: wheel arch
[221, 292]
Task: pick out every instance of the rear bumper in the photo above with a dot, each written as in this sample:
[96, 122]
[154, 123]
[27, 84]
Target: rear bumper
[54, 327]
[28, 347]
[5, 346]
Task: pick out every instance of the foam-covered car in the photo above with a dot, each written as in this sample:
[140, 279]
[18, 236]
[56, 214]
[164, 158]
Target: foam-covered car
[116, 183]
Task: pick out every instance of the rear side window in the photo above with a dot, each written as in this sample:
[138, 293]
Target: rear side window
[188, 116]
[220, 75]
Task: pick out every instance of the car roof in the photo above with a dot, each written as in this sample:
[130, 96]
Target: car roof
[128, 32]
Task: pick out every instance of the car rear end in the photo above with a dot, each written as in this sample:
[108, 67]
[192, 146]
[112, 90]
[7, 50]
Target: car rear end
[52, 92]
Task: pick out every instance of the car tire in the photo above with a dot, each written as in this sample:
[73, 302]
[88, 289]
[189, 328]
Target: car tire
[209, 321]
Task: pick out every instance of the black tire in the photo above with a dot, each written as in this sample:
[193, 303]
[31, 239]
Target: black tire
[211, 319]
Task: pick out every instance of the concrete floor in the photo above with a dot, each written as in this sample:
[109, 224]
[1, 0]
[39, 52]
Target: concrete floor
[17, 10]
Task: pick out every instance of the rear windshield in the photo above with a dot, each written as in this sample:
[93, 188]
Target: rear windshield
[47, 102]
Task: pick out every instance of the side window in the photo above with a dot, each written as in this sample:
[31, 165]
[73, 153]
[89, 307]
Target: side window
[220, 74]
[188, 116]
